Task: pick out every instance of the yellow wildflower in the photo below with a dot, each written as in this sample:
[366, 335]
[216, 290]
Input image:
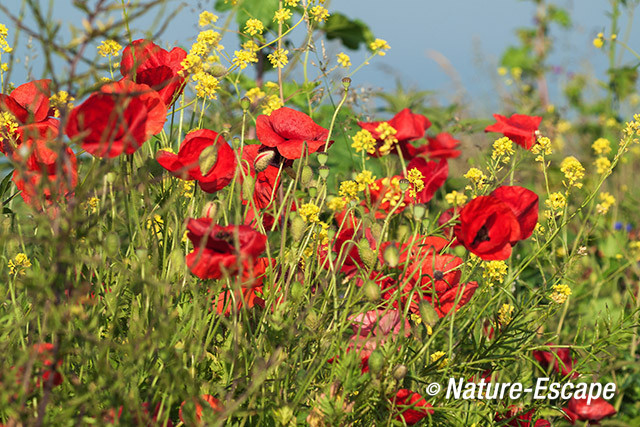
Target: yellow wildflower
[601, 146]
[379, 46]
[476, 176]
[344, 60]
[542, 148]
[4, 45]
[606, 201]
[309, 212]
[207, 18]
[109, 48]
[504, 314]
[598, 42]
[291, 3]
[387, 133]
[156, 224]
[19, 264]
[272, 103]
[602, 165]
[365, 179]
[349, 190]
[439, 355]
[556, 201]
[255, 94]
[319, 13]
[207, 85]
[560, 293]
[241, 58]
[337, 204]
[494, 271]
[282, 15]
[253, 27]
[364, 141]
[278, 58]
[573, 171]
[455, 198]
[416, 178]
[503, 149]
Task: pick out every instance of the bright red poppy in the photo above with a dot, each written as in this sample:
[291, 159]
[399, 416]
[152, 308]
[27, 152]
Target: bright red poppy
[29, 102]
[442, 146]
[411, 406]
[117, 119]
[187, 164]
[409, 127]
[560, 358]
[578, 409]
[290, 133]
[195, 415]
[215, 253]
[519, 128]
[434, 176]
[145, 62]
[523, 204]
[487, 228]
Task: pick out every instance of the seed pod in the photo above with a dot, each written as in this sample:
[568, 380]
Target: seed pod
[208, 158]
[404, 184]
[419, 211]
[322, 157]
[323, 171]
[313, 191]
[391, 255]
[245, 103]
[218, 70]
[306, 176]
[376, 362]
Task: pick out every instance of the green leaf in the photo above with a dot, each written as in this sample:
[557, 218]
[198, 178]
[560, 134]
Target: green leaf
[350, 32]
[559, 16]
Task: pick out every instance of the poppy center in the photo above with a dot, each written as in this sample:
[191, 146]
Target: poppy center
[438, 275]
[481, 236]
[225, 236]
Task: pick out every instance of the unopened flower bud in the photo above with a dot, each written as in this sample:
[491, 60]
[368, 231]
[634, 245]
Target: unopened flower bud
[322, 157]
[367, 255]
[419, 210]
[297, 228]
[371, 290]
[404, 184]
[263, 159]
[296, 291]
[428, 314]
[306, 175]
[323, 171]
[208, 158]
[376, 231]
[210, 210]
[218, 70]
[376, 362]
[391, 255]
[399, 372]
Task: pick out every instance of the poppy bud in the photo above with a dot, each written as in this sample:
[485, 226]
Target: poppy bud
[376, 362]
[376, 231]
[210, 210]
[419, 211]
[112, 244]
[297, 228]
[391, 255]
[399, 372]
[245, 103]
[296, 291]
[368, 256]
[247, 188]
[322, 157]
[371, 290]
[306, 176]
[312, 321]
[218, 70]
[263, 159]
[208, 158]
[404, 184]
[428, 314]
[111, 177]
[323, 171]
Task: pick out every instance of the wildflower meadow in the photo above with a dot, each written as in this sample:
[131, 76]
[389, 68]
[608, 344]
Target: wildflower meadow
[193, 234]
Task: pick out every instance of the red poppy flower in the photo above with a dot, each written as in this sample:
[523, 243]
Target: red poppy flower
[444, 221]
[523, 204]
[198, 409]
[518, 418]
[519, 128]
[487, 228]
[578, 409]
[411, 406]
[215, 250]
[46, 169]
[29, 102]
[145, 62]
[119, 118]
[409, 127]
[288, 132]
[187, 164]
[560, 358]
[434, 175]
[442, 146]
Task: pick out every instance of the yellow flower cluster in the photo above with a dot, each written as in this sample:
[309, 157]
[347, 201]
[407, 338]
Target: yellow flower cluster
[573, 172]
[494, 271]
[439, 356]
[60, 101]
[365, 179]
[364, 141]
[606, 201]
[187, 188]
[8, 125]
[109, 48]
[601, 146]
[386, 133]
[253, 26]
[393, 193]
[344, 60]
[309, 212]
[319, 13]
[272, 103]
[207, 85]
[203, 53]
[503, 150]
[4, 45]
[278, 58]
[476, 176]
[242, 58]
[91, 205]
[156, 224]
[19, 264]
[504, 314]
[282, 15]
[542, 148]
[632, 129]
[560, 293]
[556, 202]
[379, 46]
[416, 178]
[255, 94]
[455, 198]
[337, 204]
[207, 18]
[602, 165]
[349, 190]
[291, 3]
[599, 40]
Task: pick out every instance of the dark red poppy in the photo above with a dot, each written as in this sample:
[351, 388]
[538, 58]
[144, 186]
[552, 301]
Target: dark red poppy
[444, 221]
[194, 413]
[409, 127]
[289, 132]
[523, 204]
[411, 406]
[187, 164]
[519, 128]
[145, 62]
[487, 228]
[577, 409]
[434, 173]
[215, 252]
[29, 102]
[516, 417]
[560, 358]
[46, 169]
[119, 118]
[442, 146]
